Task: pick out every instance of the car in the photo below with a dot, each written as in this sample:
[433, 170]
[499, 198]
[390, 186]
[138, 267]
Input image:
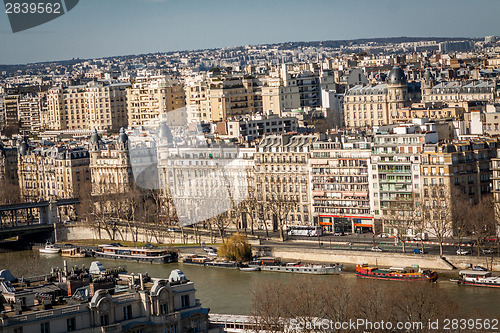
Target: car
[419, 251]
[377, 249]
[209, 249]
[149, 246]
[488, 251]
[67, 221]
[462, 252]
[339, 234]
[479, 268]
[116, 244]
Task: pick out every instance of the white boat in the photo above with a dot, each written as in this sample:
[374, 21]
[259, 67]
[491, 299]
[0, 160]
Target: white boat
[303, 269]
[50, 249]
[478, 278]
[249, 269]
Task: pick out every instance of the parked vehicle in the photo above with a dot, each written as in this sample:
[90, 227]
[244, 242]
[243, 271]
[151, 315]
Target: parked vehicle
[479, 268]
[488, 251]
[377, 249]
[462, 252]
[419, 251]
[209, 249]
[339, 234]
[301, 230]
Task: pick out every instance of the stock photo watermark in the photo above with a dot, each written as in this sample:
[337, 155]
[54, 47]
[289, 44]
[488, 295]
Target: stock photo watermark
[27, 14]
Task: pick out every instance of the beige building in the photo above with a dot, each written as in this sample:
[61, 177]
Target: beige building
[457, 91]
[368, 106]
[197, 103]
[232, 96]
[99, 104]
[52, 173]
[282, 173]
[147, 99]
[295, 87]
[110, 168]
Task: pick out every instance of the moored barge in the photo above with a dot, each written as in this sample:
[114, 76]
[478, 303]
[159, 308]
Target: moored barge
[153, 256]
[478, 279]
[396, 273]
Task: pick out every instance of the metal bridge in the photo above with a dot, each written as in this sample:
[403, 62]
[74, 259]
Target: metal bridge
[12, 226]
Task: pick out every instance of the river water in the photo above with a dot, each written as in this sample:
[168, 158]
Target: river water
[229, 290]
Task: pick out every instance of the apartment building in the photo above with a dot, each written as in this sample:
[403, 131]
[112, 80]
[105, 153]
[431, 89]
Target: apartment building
[462, 165]
[203, 181]
[257, 126]
[396, 177]
[10, 110]
[458, 92]
[368, 106]
[52, 172]
[197, 103]
[30, 109]
[294, 87]
[233, 96]
[110, 167]
[149, 98]
[99, 104]
[340, 184]
[282, 174]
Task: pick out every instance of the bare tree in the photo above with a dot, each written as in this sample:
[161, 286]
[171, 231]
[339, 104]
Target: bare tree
[482, 224]
[279, 205]
[438, 214]
[399, 215]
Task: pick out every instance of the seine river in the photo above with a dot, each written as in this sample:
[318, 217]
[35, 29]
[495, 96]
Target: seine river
[229, 291]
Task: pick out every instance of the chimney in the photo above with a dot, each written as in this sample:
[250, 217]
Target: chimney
[141, 279]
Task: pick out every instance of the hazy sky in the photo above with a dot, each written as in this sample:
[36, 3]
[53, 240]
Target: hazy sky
[98, 28]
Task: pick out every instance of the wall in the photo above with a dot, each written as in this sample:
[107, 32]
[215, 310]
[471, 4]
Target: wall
[375, 258]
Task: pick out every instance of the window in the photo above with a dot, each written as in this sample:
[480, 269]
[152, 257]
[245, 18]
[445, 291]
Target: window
[18, 330]
[71, 324]
[127, 312]
[45, 328]
[104, 320]
[185, 301]
[163, 308]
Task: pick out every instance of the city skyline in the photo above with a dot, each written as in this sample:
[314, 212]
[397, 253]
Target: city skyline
[205, 25]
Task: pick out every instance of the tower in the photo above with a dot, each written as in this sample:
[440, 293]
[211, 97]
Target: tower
[427, 84]
[397, 91]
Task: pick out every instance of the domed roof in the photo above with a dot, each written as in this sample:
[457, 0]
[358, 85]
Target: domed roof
[94, 138]
[123, 137]
[23, 148]
[396, 76]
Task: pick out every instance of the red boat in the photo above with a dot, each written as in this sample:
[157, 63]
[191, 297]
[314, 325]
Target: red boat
[396, 274]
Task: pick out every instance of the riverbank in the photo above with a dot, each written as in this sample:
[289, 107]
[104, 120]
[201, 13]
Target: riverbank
[384, 259]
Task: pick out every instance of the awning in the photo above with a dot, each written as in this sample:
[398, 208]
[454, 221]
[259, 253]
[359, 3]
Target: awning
[325, 223]
[363, 225]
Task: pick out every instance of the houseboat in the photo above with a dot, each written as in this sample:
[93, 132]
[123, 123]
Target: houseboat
[73, 252]
[274, 265]
[305, 269]
[396, 273]
[478, 278]
[154, 256]
[204, 261]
